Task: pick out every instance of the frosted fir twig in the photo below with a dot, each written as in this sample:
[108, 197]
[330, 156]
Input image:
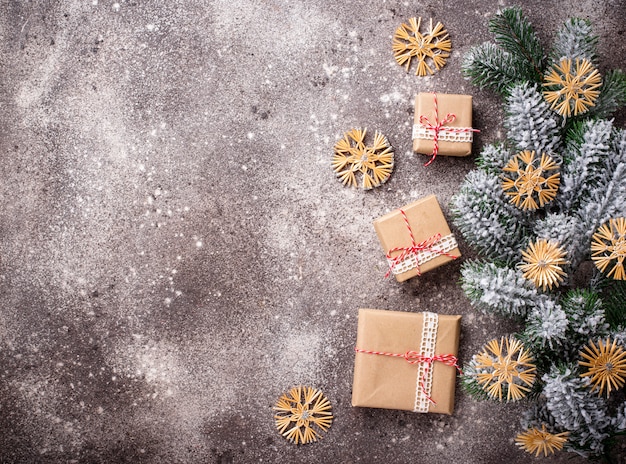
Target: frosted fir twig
[604, 197]
[612, 95]
[569, 231]
[583, 162]
[498, 289]
[585, 314]
[493, 158]
[575, 39]
[487, 220]
[546, 325]
[576, 409]
[531, 124]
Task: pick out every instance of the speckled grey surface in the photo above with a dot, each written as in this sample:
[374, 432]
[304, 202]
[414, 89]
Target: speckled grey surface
[175, 249]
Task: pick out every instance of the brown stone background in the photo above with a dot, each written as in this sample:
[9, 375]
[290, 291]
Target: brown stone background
[175, 251]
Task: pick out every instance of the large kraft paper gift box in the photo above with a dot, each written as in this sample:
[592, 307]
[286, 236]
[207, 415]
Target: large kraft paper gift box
[418, 244]
[384, 378]
[453, 114]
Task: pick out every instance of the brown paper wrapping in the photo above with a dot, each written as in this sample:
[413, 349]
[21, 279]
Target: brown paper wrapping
[426, 219]
[389, 382]
[459, 105]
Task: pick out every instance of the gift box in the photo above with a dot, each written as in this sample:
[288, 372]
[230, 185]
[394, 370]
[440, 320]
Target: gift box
[406, 361]
[416, 238]
[443, 124]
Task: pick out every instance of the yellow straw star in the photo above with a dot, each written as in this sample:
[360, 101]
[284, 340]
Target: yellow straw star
[607, 365]
[541, 441]
[529, 181]
[572, 89]
[542, 264]
[302, 413]
[372, 163]
[608, 246]
[430, 49]
[504, 365]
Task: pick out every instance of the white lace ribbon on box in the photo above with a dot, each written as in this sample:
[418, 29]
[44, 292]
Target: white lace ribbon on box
[413, 260]
[424, 384]
[446, 134]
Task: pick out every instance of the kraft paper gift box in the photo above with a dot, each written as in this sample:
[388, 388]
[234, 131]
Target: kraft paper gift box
[451, 116]
[388, 380]
[413, 249]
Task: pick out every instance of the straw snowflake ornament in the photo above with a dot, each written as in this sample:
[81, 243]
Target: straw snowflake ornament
[530, 181]
[606, 363]
[430, 49]
[572, 88]
[542, 264]
[358, 164]
[537, 219]
[302, 414]
[608, 248]
[538, 441]
[504, 367]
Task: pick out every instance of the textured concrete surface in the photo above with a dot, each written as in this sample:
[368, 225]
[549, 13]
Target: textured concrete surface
[175, 249]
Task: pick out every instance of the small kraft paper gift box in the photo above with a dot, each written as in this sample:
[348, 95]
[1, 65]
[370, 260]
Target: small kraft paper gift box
[443, 125]
[406, 361]
[416, 238]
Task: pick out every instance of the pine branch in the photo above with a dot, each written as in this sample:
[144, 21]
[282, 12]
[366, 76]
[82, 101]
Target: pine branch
[470, 385]
[515, 35]
[543, 359]
[538, 415]
[574, 137]
[487, 220]
[493, 158]
[531, 124]
[575, 40]
[546, 326]
[612, 94]
[576, 409]
[582, 162]
[488, 66]
[499, 290]
[603, 196]
[613, 294]
[586, 316]
[570, 231]
[592, 155]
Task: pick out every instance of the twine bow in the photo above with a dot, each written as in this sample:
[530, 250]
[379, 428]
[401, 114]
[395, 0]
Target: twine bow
[414, 357]
[438, 125]
[414, 249]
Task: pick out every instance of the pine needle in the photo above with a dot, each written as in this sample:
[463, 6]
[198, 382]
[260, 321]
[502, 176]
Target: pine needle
[488, 66]
[515, 35]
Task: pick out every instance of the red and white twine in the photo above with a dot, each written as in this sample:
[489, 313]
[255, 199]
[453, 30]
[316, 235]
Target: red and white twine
[414, 357]
[438, 125]
[427, 245]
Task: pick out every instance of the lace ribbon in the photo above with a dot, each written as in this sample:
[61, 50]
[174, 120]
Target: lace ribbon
[418, 253]
[437, 130]
[424, 360]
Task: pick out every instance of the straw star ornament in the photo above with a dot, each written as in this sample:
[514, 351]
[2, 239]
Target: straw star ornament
[302, 414]
[572, 88]
[608, 248]
[530, 181]
[539, 441]
[359, 164]
[430, 49]
[504, 367]
[606, 363]
[543, 261]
